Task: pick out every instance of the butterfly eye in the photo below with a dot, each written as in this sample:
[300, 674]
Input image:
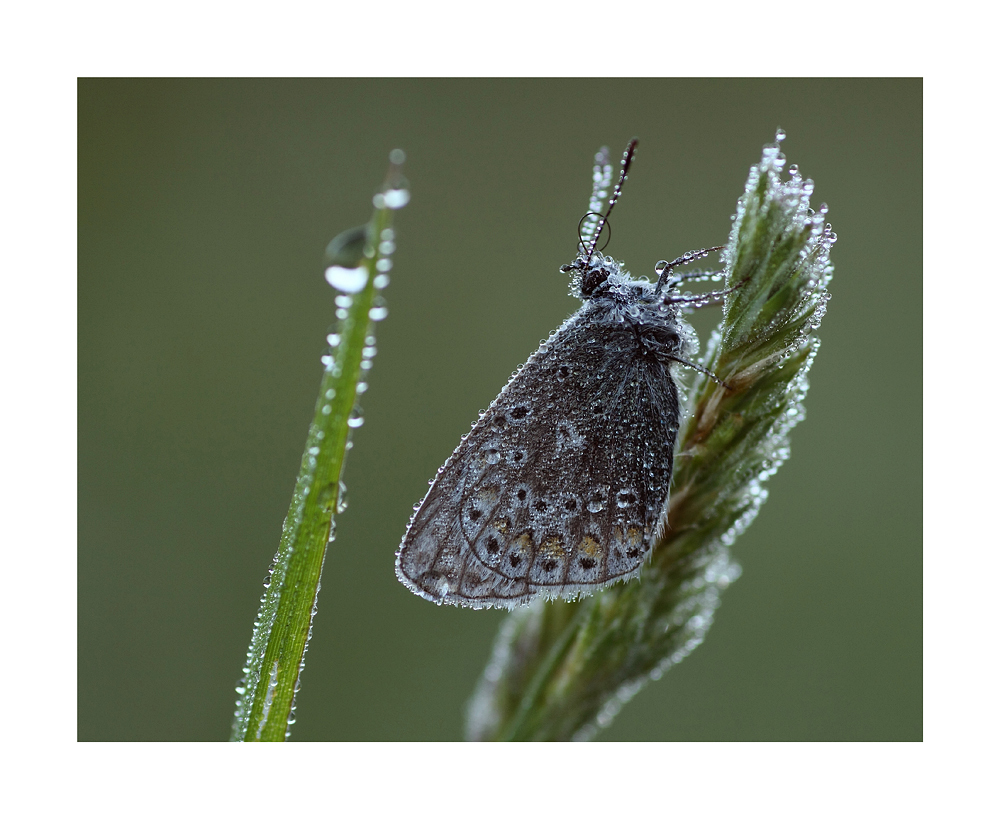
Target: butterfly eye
[592, 278]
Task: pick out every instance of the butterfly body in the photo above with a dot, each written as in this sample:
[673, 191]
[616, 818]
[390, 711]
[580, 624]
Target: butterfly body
[561, 486]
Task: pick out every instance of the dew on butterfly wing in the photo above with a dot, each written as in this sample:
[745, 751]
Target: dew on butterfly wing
[626, 497]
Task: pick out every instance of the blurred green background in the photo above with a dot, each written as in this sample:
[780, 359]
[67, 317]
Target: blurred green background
[204, 210]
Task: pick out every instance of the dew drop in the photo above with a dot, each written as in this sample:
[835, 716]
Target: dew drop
[625, 498]
[355, 420]
[378, 313]
[347, 279]
[381, 281]
[333, 339]
[396, 198]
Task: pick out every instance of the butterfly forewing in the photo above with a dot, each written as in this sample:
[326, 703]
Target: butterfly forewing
[559, 487]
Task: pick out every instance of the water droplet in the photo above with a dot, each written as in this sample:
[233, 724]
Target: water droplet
[327, 409]
[355, 420]
[342, 498]
[331, 393]
[347, 279]
[383, 265]
[779, 135]
[387, 235]
[378, 313]
[595, 505]
[626, 497]
[333, 339]
[381, 281]
[396, 198]
[362, 387]
[397, 156]
[366, 364]
[386, 247]
[344, 301]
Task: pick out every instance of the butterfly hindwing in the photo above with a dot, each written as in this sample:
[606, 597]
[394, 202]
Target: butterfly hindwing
[560, 486]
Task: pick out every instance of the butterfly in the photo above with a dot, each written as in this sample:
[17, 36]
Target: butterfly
[561, 486]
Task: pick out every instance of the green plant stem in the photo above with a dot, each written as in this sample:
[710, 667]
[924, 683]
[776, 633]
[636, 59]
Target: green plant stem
[283, 627]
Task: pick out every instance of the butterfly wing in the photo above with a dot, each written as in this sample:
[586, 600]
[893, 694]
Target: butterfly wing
[560, 485]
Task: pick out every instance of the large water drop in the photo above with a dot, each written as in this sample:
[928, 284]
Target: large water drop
[347, 279]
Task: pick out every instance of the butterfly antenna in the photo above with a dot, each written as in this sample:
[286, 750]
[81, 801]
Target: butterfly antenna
[603, 220]
[602, 185]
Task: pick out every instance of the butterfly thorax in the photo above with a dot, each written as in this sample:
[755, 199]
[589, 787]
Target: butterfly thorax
[612, 297]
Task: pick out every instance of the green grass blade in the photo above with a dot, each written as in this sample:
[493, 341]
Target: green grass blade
[357, 263]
